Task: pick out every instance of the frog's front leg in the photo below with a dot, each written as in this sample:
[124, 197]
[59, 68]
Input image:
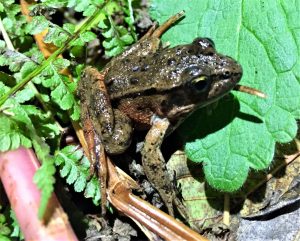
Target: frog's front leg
[113, 126]
[155, 167]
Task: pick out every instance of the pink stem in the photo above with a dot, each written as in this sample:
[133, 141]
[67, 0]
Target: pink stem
[17, 169]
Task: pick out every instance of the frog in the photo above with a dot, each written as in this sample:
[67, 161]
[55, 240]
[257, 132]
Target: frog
[153, 87]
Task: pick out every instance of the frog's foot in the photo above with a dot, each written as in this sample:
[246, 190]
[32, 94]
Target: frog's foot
[162, 124]
[154, 163]
[162, 28]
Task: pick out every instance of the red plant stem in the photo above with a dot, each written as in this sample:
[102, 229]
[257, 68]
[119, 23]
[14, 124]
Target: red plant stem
[17, 169]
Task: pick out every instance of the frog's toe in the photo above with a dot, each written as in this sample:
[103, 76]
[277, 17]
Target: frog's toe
[156, 119]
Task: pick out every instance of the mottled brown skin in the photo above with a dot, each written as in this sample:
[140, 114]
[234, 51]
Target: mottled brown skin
[148, 80]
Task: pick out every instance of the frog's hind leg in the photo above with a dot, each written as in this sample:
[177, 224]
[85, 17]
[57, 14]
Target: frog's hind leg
[97, 158]
[162, 28]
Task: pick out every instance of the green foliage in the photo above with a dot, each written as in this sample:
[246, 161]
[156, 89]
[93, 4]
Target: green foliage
[75, 167]
[13, 22]
[242, 131]
[16, 232]
[4, 228]
[22, 121]
[9, 227]
[116, 37]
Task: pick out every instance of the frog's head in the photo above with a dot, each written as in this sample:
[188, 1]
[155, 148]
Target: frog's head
[210, 75]
[205, 76]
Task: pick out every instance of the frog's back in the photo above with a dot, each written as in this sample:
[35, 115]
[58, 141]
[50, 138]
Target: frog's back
[156, 71]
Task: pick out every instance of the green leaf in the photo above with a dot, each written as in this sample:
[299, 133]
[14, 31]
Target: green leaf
[55, 3]
[2, 44]
[42, 122]
[62, 92]
[114, 51]
[75, 168]
[60, 64]
[80, 184]
[24, 95]
[72, 175]
[69, 27]
[12, 134]
[27, 68]
[88, 36]
[16, 227]
[13, 59]
[44, 178]
[89, 10]
[127, 38]
[263, 37]
[56, 35]
[62, 96]
[93, 191]
[4, 229]
[37, 25]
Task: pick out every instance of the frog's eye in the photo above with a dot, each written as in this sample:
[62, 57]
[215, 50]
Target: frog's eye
[210, 41]
[200, 83]
[204, 43]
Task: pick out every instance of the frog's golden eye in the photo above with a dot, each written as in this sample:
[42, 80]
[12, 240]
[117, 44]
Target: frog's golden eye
[200, 78]
[200, 83]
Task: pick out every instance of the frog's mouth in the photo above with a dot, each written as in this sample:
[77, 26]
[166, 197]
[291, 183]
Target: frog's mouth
[223, 84]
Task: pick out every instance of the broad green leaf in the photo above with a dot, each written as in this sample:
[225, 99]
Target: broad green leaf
[241, 132]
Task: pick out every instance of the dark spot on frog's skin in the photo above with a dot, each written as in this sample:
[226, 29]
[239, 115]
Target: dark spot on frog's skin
[134, 80]
[141, 59]
[135, 68]
[156, 55]
[145, 67]
[178, 51]
[171, 61]
[127, 61]
[190, 51]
